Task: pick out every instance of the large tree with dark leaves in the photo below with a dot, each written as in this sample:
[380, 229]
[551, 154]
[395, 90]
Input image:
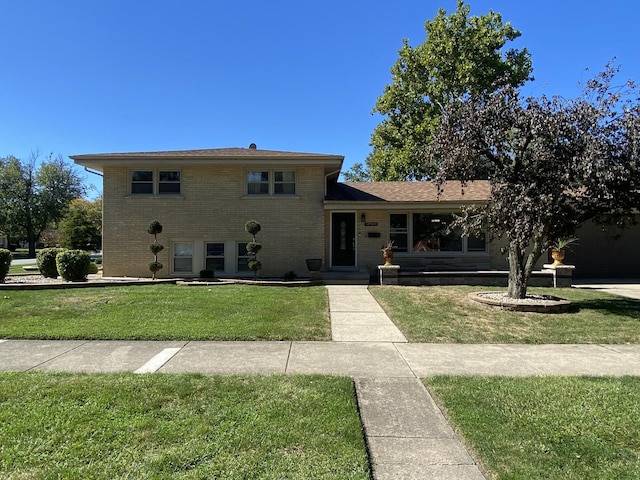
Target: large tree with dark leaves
[553, 164]
[462, 55]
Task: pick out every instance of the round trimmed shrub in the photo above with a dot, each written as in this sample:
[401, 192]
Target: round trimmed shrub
[93, 268]
[252, 227]
[73, 265]
[46, 261]
[156, 248]
[254, 265]
[5, 263]
[254, 247]
[154, 227]
[155, 267]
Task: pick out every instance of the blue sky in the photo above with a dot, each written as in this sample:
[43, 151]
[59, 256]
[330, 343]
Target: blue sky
[145, 75]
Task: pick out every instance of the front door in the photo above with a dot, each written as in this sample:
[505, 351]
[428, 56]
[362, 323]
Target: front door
[343, 239]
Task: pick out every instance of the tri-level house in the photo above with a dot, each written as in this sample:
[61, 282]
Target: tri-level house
[203, 198]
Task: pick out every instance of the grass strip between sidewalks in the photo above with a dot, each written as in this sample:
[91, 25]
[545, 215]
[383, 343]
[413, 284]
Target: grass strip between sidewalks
[167, 312]
[179, 426]
[547, 427]
[446, 315]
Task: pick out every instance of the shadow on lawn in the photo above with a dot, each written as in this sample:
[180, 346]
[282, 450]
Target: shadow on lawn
[627, 307]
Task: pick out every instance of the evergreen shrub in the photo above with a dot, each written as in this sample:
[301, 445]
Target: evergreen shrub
[5, 263]
[46, 261]
[73, 265]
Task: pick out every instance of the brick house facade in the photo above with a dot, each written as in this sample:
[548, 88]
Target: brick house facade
[203, 198]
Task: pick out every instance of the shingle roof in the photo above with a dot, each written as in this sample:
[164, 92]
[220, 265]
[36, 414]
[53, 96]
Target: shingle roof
[205, 153]
[476, 191]
[219, 156]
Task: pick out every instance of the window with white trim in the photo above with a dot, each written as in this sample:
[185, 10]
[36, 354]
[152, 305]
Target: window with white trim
[271, 182]
[429, 233]
[183, 257]
[398, 231]
[142, 182]
[151, 182]
[258, 183]
[169, 182]
[214, 256]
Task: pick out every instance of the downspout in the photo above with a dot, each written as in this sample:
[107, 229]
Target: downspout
[86, 169]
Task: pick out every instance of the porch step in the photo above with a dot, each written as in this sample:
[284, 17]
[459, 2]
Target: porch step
[345, 278]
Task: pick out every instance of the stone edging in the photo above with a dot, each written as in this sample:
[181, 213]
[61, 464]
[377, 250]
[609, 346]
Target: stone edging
[548, 305]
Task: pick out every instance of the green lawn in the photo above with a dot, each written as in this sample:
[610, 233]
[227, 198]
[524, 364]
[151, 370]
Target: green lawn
[446, 315]
[19, 270]
[179, 426]
[166, 312]
[547, 427]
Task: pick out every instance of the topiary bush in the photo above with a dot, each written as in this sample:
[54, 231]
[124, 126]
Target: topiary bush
[93, 268]
[73, 265]
[5, 263]
[154, 229]
[46, 261]
[253, 247]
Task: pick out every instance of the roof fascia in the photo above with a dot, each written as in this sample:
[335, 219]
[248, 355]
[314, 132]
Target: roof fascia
[100, 163]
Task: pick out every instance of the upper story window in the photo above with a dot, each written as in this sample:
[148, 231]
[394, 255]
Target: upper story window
[258, 183]
[150, 182]
[271, 182]
[169, 182]
[142, 182]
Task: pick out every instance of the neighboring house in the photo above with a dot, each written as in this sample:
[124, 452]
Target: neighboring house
[203, 198]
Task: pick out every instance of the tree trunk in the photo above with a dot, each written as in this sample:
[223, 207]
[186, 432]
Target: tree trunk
[517, 287]
[32, 248]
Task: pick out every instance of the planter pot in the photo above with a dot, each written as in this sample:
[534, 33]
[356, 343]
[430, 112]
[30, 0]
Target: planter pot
[314, 264]
[558, 257]
[388, 256]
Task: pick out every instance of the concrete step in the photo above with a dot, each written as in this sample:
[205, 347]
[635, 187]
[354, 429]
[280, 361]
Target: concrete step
[345, 278]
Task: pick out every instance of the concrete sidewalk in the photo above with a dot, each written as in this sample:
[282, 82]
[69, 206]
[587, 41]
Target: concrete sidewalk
[407, 434]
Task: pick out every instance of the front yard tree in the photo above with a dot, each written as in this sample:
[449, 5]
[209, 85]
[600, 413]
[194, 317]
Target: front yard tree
[32, 196]
[81, 227]
[552, 163]
[462, 55]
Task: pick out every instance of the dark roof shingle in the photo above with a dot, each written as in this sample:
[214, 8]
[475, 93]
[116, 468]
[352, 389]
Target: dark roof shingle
[476, 191]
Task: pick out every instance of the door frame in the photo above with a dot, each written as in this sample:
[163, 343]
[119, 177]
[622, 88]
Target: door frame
[355, 241]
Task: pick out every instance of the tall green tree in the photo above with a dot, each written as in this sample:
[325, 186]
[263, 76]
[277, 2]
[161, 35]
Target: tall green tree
[462, 55]
[553, 164]
[33, 195]
[81, 226]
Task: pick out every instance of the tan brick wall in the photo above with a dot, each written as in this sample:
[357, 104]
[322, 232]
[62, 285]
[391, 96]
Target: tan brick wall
[212, 208]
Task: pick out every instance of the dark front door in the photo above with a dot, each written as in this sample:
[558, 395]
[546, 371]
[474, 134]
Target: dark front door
[343, 239]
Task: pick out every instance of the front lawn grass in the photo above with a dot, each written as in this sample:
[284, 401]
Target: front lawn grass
[19, 269]
[167, 312]
[179, 426]
[444, 314]
[547, 427]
